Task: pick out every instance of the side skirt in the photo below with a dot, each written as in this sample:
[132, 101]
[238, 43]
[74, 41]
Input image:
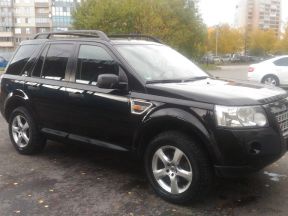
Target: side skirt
[83, 139]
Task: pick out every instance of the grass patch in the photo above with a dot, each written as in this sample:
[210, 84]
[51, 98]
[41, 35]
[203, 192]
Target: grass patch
[210, 67]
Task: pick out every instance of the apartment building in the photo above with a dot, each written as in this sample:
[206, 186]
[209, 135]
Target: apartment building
[61, 14]
[21, 19]
[259, 14]
[6, 26]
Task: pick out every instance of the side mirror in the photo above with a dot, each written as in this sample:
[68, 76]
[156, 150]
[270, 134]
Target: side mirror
[108, 81]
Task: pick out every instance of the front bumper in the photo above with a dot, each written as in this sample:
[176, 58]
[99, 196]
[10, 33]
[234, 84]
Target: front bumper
[247, 151]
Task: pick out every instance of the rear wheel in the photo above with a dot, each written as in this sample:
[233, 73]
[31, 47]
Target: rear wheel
[23, 132]
[177, 168]
[271, 80]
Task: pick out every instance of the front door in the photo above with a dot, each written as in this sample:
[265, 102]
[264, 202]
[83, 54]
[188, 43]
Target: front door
[97, 114]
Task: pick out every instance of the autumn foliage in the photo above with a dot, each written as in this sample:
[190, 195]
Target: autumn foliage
[176, 22]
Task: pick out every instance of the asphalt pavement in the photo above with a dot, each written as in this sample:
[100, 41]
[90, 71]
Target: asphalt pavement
[236, 72]
[85, 180]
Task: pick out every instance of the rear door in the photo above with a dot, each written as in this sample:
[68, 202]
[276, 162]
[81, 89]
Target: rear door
[47, 87]
[282, 70]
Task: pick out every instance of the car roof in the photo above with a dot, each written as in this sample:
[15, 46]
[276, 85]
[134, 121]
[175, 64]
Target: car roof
[112, 42]
[93, 36]
[274, 59]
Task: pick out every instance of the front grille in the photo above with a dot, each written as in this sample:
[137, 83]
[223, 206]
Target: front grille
[280, 111]
[283, 122]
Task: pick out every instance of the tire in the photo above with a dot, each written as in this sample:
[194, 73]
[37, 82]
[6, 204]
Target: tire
[271, 80]
[24, 133]
[200, 168]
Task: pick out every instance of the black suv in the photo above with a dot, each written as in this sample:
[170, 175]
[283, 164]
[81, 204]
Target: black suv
[133, 93]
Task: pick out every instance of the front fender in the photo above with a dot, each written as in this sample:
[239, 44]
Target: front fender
[191, 120]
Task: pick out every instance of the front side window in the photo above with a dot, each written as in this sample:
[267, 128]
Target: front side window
[21, 58]
[93, 61]
[56, 61]
[281, 62]
[159, 62]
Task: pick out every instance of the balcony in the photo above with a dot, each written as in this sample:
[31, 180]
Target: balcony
[41, 4]
[43, 25]
[6, 44]
[6, 34]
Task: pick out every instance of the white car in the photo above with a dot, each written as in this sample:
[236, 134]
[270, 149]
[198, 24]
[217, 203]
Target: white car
[272, 72]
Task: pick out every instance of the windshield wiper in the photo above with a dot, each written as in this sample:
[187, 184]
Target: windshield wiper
[177, 80]
[196, 78]
[164, 81]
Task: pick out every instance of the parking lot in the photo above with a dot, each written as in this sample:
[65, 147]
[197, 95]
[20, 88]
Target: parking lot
[85, 180]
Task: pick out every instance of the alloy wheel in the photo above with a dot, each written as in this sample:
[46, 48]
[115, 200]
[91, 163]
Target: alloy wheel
[172, 169]
[270, 81]
[20, 131]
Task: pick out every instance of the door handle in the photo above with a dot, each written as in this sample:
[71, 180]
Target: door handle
[34, 87]
[76, 95]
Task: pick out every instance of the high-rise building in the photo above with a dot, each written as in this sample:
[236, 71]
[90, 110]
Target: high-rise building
[259, 14]
[62, 13]
[21, 19]
[6, 26]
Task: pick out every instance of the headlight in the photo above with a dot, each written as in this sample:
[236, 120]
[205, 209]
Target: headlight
[240, 116]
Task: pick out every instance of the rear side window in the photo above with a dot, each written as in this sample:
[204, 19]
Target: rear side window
[56, 61]
[39, 65]
[281, 62]
[21, 58]
[93, 61]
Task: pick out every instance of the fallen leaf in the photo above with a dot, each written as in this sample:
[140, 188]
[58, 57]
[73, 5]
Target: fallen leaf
[51, 190]
[17, 211]
[46, 206]
[29, 195]
[40, 201]
[15, 183]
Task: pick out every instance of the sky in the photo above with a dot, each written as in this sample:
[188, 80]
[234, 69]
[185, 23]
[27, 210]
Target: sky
[223, 11]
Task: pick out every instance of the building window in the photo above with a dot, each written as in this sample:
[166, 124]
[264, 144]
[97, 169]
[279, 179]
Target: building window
[18, 20]
[28, 31]
[17, 30]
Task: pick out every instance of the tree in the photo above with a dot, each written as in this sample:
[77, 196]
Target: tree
[176, 22]
[230, 40]
[262, 42]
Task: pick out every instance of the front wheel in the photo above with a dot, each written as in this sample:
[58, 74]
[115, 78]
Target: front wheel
[177, 168]
[23, 132]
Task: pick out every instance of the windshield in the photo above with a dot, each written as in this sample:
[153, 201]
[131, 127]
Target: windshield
[159, 63]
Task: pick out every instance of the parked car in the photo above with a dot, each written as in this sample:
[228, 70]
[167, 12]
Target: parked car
[3, 62]
[226, 59]
[272, 71]
[211, 59]
[236, 58]
[207, 59]
[133, 93]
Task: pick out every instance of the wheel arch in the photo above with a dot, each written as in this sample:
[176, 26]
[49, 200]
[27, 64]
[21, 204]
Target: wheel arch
[270, 74]
[178, 120]
[15, 99]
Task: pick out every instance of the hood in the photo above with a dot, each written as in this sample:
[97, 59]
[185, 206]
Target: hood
[221, 92]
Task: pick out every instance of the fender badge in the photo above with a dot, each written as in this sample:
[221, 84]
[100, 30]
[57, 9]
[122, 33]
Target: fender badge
[139, 107]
